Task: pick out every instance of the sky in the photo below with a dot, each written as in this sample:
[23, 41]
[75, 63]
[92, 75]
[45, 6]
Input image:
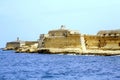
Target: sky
[27, 19]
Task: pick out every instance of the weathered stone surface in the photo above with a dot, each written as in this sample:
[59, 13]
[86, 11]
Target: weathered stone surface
[59, 41]
[59, 50]
[31, 48]
[68, 41]
[109, 33]
[14, 45]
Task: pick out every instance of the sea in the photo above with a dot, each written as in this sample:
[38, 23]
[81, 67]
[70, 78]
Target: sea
[34, 66]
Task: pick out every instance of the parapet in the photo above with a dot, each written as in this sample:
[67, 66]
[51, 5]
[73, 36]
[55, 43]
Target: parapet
[109, 33]
[62, 32]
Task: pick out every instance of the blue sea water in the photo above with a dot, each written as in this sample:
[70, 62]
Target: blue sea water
[24, 66]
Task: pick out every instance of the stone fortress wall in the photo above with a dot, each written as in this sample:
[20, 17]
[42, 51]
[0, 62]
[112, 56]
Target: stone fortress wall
[109, 39]
[91, 42]
[102, 42]
[69, 41]
[106, 42]
[63, 38]
[14, 44]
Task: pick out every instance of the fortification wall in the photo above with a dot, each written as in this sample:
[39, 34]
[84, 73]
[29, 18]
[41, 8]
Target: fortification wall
[29, 43]
[71, 41]
[91, 41]
[12, 45]
[110, 43]
[102, 43]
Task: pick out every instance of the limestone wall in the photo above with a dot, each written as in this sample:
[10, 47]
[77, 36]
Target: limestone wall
[59, 32]
[29, 43]
[109, 33]
[71, 41]
[102, 43]
[110, 43]
[91, 41]
[12, 45]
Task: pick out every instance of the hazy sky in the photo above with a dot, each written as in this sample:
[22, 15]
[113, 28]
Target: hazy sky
[29, 18]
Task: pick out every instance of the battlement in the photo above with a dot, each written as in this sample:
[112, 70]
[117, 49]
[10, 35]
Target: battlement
[111, 33]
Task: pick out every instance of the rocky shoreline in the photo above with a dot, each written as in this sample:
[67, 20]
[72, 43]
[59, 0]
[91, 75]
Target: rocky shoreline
[75, 51]
[70, 51]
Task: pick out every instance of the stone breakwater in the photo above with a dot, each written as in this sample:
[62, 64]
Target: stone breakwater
[71, 42]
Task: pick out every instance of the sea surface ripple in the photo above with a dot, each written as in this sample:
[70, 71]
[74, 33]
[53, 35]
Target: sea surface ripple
[24, 66]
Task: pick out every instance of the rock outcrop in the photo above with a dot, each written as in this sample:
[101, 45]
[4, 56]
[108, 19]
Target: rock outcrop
[29, 47]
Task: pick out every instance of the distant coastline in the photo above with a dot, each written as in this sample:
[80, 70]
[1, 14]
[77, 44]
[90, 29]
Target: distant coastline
[105, 42]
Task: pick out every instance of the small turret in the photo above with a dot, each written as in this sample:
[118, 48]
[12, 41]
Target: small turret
[62, 27]
[18, 39]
